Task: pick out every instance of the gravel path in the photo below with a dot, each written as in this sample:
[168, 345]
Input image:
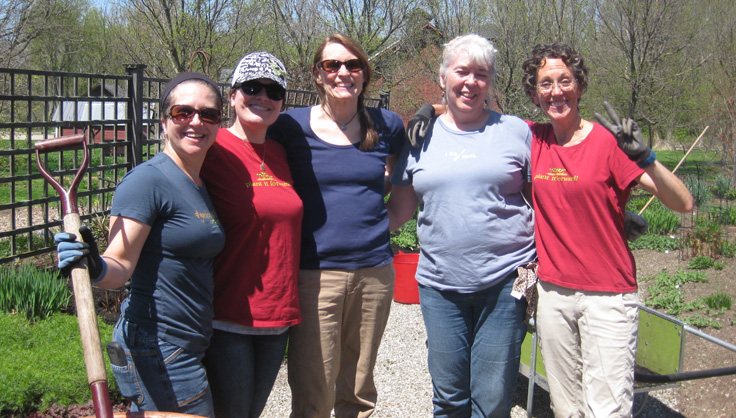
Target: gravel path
[405, 388]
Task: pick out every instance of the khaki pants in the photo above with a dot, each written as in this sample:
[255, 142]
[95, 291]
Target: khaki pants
[333, 351]
[588, 342]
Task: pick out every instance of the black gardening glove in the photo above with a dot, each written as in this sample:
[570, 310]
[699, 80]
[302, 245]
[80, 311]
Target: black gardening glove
[70, 252]
[629, 136]
[419, 124]
[634, 226]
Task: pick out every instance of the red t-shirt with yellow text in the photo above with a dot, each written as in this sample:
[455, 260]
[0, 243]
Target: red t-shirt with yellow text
[580, 194]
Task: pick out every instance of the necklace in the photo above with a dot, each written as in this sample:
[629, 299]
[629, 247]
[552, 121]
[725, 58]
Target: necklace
[263, 158]
[343, 126]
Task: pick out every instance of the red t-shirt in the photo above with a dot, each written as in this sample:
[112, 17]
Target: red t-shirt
[256, 274]
[580, 194]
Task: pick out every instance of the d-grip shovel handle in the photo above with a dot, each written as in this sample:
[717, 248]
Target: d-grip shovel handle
[62, 143]
[93, 359]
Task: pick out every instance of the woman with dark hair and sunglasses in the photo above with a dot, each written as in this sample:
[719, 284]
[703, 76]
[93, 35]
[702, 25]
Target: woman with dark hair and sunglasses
[339, 151]
[256, 297]
[164, 235]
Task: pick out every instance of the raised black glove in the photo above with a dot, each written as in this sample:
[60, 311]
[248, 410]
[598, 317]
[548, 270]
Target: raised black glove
[70, 252]
[419, 124]
[634, 226]
[629, 136]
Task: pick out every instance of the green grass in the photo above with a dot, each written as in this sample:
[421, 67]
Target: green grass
[703, 162]
[43, 363]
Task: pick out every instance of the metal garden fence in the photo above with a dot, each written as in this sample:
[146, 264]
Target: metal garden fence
[119, 116]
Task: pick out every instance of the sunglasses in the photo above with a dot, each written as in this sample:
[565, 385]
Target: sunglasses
[333, 66]
[184, 113]
[273, 91]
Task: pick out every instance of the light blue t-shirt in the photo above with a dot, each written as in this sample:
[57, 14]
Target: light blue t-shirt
[474, 227]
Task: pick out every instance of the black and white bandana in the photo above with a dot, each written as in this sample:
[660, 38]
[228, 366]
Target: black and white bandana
[259, 65]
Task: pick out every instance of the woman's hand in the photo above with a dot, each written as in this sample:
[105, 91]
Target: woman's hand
[70, 252]
[629, 136]
[418, 126]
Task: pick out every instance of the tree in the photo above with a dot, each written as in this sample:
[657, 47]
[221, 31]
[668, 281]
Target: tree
[373, 23]
[298, 28]
[21, 21]
[166, 34]
[719, 100]
[649, 48]
[68, 40]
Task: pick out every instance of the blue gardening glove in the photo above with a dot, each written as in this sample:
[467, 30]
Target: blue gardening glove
[634, 226]
[70, 252]
[418, 126]
[629, 136]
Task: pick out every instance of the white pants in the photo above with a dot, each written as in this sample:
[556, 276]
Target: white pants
[588, 342]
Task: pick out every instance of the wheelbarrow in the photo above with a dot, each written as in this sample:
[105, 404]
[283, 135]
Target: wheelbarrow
[90, 334]
[659, 356]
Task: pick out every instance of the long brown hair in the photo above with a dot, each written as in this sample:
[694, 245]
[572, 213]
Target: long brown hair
[369, 136]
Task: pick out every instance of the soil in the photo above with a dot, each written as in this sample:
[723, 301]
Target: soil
[709, 397]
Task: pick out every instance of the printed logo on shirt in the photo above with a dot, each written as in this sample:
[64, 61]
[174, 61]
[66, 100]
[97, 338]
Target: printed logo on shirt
[556, 174]
[207, 217]
[457, 156]
[267, 180]
[263, 176]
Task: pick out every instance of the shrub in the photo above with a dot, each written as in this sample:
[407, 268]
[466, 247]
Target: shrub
[727, 249]
[698, 188]
[699, 321]
[718, 301]
[700, 262]
[722, 186]
[406, 236]
[660, 219]
[43, 364]
[706, 237]
[665, 292]
[35, 293]
[729, 216]
[661, 243]
[724, 215]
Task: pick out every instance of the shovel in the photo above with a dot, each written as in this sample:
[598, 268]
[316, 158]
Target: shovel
[93, 359]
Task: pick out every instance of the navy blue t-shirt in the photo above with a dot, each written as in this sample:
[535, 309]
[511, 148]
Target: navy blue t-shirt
[345, 224]
[171, 287]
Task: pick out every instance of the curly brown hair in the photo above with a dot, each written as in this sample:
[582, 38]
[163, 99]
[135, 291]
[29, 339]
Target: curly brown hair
[539, 55]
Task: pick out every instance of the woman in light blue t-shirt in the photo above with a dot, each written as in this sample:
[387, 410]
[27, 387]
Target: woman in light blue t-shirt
[475, 229]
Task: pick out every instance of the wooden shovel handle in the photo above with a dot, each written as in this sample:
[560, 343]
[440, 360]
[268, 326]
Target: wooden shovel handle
[86, 316]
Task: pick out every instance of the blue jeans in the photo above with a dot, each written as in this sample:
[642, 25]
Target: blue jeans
[160, 376]
[242, 370]
[474, 348]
